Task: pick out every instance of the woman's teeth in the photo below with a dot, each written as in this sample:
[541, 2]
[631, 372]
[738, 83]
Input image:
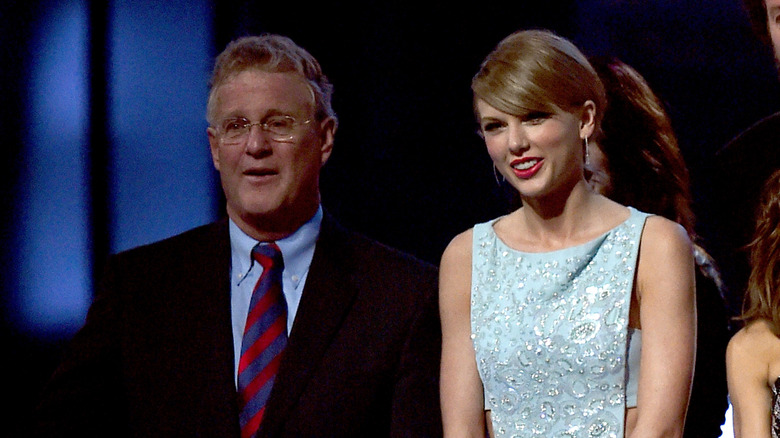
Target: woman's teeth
[525, 165]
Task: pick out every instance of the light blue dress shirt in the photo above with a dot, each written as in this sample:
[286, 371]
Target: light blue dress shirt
[297, 252]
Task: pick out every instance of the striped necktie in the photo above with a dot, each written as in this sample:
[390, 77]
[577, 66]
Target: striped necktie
[265, 337]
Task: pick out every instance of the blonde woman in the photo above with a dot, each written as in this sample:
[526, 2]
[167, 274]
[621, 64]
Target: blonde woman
[555, 320]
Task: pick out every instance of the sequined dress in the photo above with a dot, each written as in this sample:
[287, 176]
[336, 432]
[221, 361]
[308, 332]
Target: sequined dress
[550, 332]
[776, 409]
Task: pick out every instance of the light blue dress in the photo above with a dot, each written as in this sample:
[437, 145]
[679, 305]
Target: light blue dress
[776, 409]
[550, 332]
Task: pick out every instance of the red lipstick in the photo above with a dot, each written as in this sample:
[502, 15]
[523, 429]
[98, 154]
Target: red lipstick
[526, 167]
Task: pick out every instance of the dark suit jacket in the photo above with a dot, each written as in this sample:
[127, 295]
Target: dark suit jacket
[155, 357]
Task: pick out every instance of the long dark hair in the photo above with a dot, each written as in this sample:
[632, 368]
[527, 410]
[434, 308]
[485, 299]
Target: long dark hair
[756, 11]
[646, 166]
[763, 291]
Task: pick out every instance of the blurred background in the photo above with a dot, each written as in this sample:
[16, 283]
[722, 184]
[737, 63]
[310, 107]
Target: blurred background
[104, 131]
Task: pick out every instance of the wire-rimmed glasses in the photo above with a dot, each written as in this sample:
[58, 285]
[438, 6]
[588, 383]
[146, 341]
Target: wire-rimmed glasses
[279, 128]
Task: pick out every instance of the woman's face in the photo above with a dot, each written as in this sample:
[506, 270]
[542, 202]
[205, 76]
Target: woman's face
[598, 167]
[773, 25]
[538, 153]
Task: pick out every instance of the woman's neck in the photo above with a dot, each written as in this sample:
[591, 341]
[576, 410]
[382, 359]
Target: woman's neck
[550, 224]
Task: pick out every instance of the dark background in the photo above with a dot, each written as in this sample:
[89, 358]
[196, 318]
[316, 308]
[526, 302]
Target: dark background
[407, 170]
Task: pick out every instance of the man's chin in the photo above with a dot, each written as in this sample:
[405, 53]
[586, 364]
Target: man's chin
[268, 221]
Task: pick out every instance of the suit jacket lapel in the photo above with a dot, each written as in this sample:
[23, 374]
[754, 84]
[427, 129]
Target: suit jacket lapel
[327, 297]
[210, 262]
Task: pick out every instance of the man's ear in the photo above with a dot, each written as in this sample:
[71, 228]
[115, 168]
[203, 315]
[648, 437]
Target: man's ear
[214, 146]
[327, 137]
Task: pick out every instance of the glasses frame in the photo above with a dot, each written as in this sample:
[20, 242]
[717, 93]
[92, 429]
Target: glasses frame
[264, 126]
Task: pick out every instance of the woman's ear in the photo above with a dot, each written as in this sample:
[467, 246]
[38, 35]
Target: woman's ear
[588, 119]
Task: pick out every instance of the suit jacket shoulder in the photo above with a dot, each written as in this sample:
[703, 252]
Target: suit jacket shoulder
[200, 244]
[155, 356]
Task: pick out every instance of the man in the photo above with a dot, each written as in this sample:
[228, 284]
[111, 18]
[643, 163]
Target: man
[166, 349]
[740, 169]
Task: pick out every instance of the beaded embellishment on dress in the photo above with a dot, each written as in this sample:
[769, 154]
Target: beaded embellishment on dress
[550, 333]
[776, 409]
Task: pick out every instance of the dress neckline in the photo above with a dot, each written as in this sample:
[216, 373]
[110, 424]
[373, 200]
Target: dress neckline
[579, 248]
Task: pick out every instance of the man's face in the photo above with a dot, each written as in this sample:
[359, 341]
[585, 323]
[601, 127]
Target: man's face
[271, 186]
[773, 25]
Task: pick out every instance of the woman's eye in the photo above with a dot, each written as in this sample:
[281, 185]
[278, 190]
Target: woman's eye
[491, 127]
[535, 118]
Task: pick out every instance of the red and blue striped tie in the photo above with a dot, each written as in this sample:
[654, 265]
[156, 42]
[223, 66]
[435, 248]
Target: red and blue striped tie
[265, 337]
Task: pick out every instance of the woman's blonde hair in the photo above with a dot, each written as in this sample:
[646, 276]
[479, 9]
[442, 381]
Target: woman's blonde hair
[763, 291]
[537, 70]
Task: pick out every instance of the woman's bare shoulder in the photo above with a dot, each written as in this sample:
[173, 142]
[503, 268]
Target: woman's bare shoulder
[665, 241]
[663, 230]
[755, 338]
[755, 344]
[754, 353]
[459, 247]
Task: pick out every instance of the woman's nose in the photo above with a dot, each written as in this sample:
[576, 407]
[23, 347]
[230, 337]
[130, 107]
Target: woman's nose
[518, 141]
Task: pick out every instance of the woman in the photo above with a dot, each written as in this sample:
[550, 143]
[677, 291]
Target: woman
[541, 336]
[753, 355]
[636, 161]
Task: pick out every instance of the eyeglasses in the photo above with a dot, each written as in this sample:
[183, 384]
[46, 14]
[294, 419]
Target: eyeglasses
[279, 128]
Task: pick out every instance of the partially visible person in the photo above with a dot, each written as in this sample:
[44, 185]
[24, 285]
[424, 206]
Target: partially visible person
[753, 356]
[765, 19]
[273, 322]
[740, 168]
[556, 321]
[635, 160]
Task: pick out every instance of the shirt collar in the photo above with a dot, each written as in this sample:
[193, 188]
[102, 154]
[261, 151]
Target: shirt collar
[297, 249]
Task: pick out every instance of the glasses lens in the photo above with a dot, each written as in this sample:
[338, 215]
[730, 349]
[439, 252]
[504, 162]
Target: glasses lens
[234, 131]
[281, 126]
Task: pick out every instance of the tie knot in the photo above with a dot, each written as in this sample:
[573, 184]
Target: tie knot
[268, 255]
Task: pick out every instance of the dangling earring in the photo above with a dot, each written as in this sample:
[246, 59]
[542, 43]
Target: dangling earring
[495, 174]
[587, 153]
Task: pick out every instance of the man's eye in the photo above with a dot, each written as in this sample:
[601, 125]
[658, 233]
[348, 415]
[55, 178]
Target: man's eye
[279, 122]
[234, 125]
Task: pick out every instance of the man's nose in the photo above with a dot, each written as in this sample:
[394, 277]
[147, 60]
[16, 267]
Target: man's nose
[258, 140]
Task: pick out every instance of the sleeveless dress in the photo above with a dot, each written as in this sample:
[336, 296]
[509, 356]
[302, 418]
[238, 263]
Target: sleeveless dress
[550, 332]
[776, 409]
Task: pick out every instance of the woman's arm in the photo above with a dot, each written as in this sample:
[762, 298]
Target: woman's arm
[751, 398]
[461, 388]
[667, 317]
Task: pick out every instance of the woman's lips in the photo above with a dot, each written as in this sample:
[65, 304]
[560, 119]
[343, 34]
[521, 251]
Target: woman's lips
[527, 167]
